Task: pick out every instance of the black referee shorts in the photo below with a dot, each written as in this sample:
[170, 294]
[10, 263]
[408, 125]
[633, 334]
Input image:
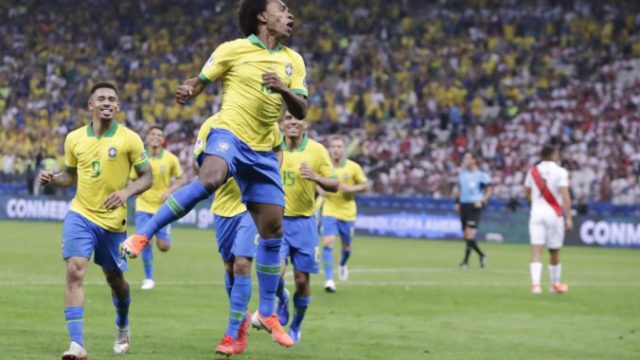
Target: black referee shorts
[469, 216]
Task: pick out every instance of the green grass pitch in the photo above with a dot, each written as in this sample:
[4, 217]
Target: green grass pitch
[405, 299]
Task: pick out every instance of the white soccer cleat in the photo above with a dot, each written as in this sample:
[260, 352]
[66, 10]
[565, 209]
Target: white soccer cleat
[121, 345]
[343, 273]
[75, 352]
[536, 289]
[330, 286]
[148, 284]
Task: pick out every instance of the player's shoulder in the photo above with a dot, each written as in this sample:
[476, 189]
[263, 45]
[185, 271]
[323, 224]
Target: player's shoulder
[77, 134]
[170, 156]
[127, 133]
[314, 145]
[352, 164]
[294, 55]
[232, 45]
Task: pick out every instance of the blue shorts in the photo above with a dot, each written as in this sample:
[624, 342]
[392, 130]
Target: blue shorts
[237, 236]
[256, 172]
[301, 243]
[163, 234]
[81, 237]
[331, 226]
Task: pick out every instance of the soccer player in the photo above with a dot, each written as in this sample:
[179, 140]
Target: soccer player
[165, 167]
[339, 211]
[547, 188]
[471, 193]
[260, 76]
[98, 158]
[305, 165]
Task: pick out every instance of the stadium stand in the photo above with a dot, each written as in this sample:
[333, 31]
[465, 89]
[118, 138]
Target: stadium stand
[414, 83]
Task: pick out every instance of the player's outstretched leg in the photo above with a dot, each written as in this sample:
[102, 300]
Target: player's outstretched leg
[121, 300]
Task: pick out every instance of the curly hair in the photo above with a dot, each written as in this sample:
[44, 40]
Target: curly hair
[248, 15]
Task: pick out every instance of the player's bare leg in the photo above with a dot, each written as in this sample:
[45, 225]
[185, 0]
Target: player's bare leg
[301, 300]
[535, 268]
[213, 173]
[74, 306]
[268, 220]
[555, 272]
[121, 299]
[327, 259]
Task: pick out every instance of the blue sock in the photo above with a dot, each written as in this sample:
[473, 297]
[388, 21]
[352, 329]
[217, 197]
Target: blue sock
[147, 261]
[327, 260]
[268, 271]
[177, 205]
[344, 257]
[300, 304]
[228, 283]
[122, 311]
[280, 291]
[240, 296]
[73, 316]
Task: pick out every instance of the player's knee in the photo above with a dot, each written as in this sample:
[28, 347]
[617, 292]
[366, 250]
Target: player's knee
[302, 283]
[212, 177]
[272, 229]
[75, 273]
[115, 279]
[164, 246]
[242, 266]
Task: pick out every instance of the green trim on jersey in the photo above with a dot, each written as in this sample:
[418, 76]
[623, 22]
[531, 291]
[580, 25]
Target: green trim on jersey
[204, 78]
[256, 41]
[109, 133]
[301, 147]
[302, 92]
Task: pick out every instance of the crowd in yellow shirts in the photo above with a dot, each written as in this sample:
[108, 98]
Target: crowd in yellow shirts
[416, 82]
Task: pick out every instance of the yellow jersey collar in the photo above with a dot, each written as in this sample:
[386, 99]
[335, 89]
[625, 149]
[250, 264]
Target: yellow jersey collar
[256, 41]
[159, 156]
[109, 133]
[301, 147]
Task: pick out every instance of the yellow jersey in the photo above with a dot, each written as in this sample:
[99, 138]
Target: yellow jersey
[299, 194]
[250, 110]
[227, 200]
[102, 165]
[341, 205]
[164, 166]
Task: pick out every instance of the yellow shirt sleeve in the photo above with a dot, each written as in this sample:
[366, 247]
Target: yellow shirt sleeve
[359, 176]
[298, 79]
[219, 62]
[176, 169]
[137, 154]
[325, 167]
[70, 160]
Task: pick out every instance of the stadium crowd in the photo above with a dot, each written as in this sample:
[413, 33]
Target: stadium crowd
[413, 83]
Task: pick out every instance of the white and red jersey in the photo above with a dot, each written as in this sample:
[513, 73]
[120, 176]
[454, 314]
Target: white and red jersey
[554, 176]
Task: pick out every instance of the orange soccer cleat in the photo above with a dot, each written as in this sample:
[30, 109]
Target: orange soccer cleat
[133, 245]
[273, 327]
[226, 346]
[536, 289]
[243, 335]
[559, 288]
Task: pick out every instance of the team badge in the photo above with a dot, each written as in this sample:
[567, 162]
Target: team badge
[222, 147]
[209, 62]
[288, 69]
[112, 153]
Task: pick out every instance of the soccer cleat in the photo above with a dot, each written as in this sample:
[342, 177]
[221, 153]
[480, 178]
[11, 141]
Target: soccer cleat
[272, 325]
[75, 352]
[295, 335]
[343, 273]
[121, 345]
[283, 309]
[330, 286]
[483, 261]
[226, 346]
[243, 335]
[464, 265]
[536, 289]
[559, 288]
[133, 245]
[148, 284]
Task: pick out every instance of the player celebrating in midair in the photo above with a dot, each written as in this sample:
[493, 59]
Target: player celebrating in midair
[259, 76]
[547, 187]
[98, 158]
[339, 211]
[305, 165]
